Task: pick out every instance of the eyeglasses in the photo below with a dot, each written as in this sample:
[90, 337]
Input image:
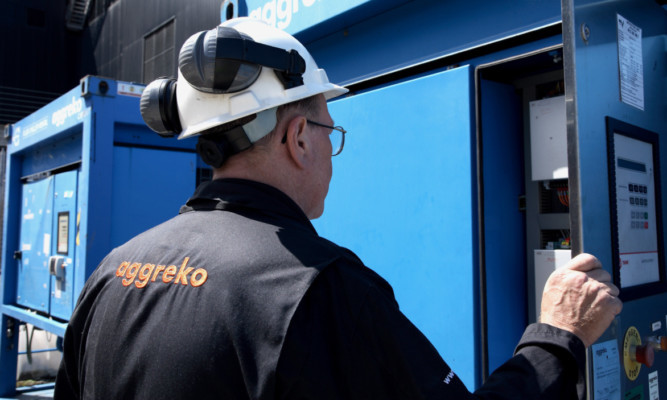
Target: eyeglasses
[337, 137]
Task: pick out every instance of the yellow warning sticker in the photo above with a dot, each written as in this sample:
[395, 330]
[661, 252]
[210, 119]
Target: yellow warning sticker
[630, 342]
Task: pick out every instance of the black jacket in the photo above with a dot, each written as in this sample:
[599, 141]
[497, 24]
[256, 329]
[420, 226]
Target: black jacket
[239, 298]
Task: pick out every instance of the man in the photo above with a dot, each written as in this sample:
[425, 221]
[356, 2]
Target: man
[239, 298]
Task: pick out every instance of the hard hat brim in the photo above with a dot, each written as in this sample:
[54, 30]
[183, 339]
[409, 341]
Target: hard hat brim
[329, 90]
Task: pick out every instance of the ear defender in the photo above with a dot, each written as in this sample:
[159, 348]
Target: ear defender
[216, 69]
[220, 61]
[224, 60]
[216, 148]
[211, 152]
[159, 109]
[204, 67]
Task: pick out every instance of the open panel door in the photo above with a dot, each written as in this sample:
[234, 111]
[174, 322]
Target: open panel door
[402, 198]
[615, 75]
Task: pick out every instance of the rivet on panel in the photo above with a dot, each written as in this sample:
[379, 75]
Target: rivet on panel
[585, 32]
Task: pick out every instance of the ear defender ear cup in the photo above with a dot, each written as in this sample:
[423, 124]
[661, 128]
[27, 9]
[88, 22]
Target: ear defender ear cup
[215, 148]
[159, 108]
[211, 152]
[203, 66]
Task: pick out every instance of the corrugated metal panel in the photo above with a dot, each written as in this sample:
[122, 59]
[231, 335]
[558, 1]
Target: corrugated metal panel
[160, 52]
[419, 31]
[118, 34]
[17, 103]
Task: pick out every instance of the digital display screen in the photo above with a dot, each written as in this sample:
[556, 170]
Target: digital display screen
[634, 183]
[635, 212]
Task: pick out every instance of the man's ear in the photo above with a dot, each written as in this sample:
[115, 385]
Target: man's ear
[297, 141]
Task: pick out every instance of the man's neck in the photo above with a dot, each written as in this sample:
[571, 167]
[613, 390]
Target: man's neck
[278, 175]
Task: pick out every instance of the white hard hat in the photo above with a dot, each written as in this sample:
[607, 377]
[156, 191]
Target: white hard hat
[236, 70]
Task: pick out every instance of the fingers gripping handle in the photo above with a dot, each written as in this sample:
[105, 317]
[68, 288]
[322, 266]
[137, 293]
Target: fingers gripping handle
[581, 299]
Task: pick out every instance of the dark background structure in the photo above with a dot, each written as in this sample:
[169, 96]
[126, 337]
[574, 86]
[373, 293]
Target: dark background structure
[47, 46]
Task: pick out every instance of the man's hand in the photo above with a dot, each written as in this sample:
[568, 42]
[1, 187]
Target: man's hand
[581, 299]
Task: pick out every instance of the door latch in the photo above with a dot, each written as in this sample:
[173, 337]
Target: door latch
[57, 266]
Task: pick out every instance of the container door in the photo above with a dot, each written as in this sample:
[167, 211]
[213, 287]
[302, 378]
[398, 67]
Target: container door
[166, 178]
[615, 69]
[35, 241]
[402, 198]
[61, 259]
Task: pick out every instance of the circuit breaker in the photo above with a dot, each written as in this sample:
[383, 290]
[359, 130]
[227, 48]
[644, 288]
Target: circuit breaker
[548, 139]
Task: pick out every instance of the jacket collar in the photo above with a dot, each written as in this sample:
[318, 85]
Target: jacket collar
[241, 195]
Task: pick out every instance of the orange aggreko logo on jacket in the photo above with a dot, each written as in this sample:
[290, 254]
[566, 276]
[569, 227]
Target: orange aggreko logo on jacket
[141, 274]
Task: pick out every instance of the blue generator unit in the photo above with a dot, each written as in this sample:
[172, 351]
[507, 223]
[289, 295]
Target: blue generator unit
[488, 143]
[83, 175]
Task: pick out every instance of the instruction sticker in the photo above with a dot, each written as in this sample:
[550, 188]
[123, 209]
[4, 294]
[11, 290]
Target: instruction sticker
[606, 371]
[653, 393]
[47, 244]
[63, 232]
[130, 89]
[636, 393]
[630, 62]
[35, 128]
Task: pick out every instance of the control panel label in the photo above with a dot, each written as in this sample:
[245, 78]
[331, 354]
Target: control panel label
[630, 62]
[63, 232]
[130, 89]
[606, 371]
[47, 244]
[636, 393]
[653, 392]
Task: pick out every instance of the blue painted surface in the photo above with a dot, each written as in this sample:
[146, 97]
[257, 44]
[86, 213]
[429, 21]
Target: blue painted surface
[36, 227]
[77, 133]
[56, 151]
[168, 177]
[32, 318]
[294, 16]
[597, 96]
[311, 19]
[422, 30]
[8, 277]
[505, 237]
[8, 358]
[402, 194]
[402, 198]
[52, 121]
[137, 135]
[63, 244]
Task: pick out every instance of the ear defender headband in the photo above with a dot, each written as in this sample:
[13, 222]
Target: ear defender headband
[223, 141]
[223, 60]
[218, 61]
